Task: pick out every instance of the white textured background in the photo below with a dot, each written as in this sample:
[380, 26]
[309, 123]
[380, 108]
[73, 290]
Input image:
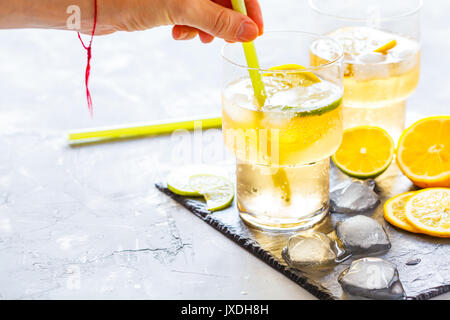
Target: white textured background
[86, 222]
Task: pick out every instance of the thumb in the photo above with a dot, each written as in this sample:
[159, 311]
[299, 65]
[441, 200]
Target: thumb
[217, 20]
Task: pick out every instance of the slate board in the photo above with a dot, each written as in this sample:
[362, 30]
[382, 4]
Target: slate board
[425, 280]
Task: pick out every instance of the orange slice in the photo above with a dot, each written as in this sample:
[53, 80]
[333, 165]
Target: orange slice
[423, 152]
[429, 211]
[394, 212]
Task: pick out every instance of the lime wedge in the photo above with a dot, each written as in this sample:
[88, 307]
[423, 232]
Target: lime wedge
[217, 191]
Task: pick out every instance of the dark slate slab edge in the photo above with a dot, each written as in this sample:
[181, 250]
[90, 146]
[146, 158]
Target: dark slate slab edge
[248, 244]
[254, 248]
[430, 293]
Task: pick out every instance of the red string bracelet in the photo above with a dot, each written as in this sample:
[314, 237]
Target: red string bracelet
[89, 56]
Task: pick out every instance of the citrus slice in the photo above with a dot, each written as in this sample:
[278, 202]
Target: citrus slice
[218, 191]
[386, 47]
[305, 112]
[423, 152]
[365, 152]
[281, 182]
[178, 179]
[429, 211]
[394, 212]
[304, 78]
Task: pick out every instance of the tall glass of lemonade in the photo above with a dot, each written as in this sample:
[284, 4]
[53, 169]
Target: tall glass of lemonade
[283, 143]
[381, 40]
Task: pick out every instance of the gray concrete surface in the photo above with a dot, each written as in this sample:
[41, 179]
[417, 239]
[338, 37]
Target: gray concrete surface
[87, 222]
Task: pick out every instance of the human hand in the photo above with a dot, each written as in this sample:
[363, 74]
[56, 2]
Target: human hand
[205, 18]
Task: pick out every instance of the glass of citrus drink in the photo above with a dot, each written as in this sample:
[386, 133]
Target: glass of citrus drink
[283, 142]
[381, 40]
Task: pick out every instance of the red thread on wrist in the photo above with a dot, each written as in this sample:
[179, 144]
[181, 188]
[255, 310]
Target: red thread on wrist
[89, 56]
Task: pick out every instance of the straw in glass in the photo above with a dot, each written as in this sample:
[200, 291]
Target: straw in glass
[252, 60]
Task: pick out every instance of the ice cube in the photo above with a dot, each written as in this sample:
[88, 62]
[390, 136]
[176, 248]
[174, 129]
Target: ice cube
[353, 196]
[370, 71]
[372, 278]
[362, 235]
[370, 183]
[309, 249]
[372, 57]
[413, 262]
[325, 49]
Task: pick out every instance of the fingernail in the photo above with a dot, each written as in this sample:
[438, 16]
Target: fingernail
[183, 35]
[248, 31]
[179, 34]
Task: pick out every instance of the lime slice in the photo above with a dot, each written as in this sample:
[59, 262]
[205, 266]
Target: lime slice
[305, 112]
[218, 191]
[178, 183]
[178, 180]
[298, 79]
[365, 152]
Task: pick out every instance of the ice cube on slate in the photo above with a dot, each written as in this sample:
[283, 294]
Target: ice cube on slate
[413, 262]
[362, 235]
[353, 196]
[309, 249]
[372, 278]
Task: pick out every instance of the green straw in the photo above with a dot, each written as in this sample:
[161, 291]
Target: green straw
[141, 129]
[252, 60]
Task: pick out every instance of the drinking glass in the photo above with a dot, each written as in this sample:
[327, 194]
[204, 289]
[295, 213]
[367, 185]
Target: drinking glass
[283, 146]
[377, 83]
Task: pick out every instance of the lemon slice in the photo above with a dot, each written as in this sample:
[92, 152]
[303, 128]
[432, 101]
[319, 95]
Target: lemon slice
[178, 179]
[281, 182]
[429, 211]
[365, 152]
[423, 152]
[218, 191]
[297, 78]
[394, 212]
[386, 47]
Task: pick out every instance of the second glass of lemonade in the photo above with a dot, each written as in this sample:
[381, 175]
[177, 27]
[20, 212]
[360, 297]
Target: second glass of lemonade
[381, 40]
[283, 141]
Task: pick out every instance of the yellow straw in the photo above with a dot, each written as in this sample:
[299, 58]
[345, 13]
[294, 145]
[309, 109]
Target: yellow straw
[252, 60]
[142, 129]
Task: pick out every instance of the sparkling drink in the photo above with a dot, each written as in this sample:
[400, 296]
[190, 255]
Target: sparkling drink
[283, 147]
[376, 84]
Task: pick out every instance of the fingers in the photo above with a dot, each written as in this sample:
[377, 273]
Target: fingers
[218, 21]
[255, 13]
[188, 33]
[205, 37]
[184, 32]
